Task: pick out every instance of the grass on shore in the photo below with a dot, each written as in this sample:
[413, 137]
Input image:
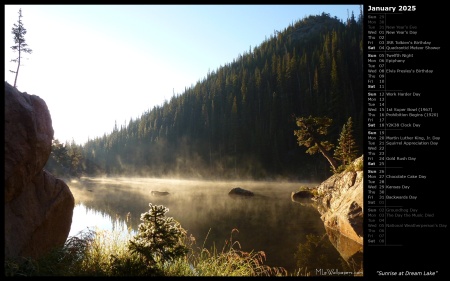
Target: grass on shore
[105, 253]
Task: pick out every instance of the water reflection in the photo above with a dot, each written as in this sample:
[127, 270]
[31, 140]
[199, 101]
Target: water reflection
[316, 257]
[268, 221]
[88, 218]
[350, 251]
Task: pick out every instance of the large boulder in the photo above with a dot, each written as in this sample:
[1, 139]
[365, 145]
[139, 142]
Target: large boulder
[38, 207]
[341, 202]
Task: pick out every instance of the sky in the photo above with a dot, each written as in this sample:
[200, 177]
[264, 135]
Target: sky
[98, 65]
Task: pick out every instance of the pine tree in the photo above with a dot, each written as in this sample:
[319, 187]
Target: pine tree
[346, 150]
[159, 238]
[310, 132]
[20, 46]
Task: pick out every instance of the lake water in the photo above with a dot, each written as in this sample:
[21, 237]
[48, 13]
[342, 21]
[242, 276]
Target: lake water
[269, 221]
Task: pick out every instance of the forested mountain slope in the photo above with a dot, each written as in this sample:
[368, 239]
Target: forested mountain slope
[239, 120]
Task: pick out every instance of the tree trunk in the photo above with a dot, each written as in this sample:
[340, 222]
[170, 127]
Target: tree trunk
[17, 71]
[327, 155]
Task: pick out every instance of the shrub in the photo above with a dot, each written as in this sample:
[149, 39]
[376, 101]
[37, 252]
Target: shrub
[159, 238]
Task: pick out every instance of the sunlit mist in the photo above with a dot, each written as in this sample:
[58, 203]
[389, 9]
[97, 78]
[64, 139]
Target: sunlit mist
[269, 221]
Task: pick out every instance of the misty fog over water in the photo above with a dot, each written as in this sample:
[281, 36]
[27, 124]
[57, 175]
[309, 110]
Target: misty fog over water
[269, 221]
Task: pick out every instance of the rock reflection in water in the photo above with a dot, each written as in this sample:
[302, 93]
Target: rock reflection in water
[350, 250]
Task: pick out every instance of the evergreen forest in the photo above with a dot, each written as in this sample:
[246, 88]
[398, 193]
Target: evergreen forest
[238, 122]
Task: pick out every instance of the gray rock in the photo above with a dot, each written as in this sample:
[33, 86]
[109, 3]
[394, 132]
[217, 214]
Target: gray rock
[342, 203]
[159, 193]
[240, 191]
[302, 195]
